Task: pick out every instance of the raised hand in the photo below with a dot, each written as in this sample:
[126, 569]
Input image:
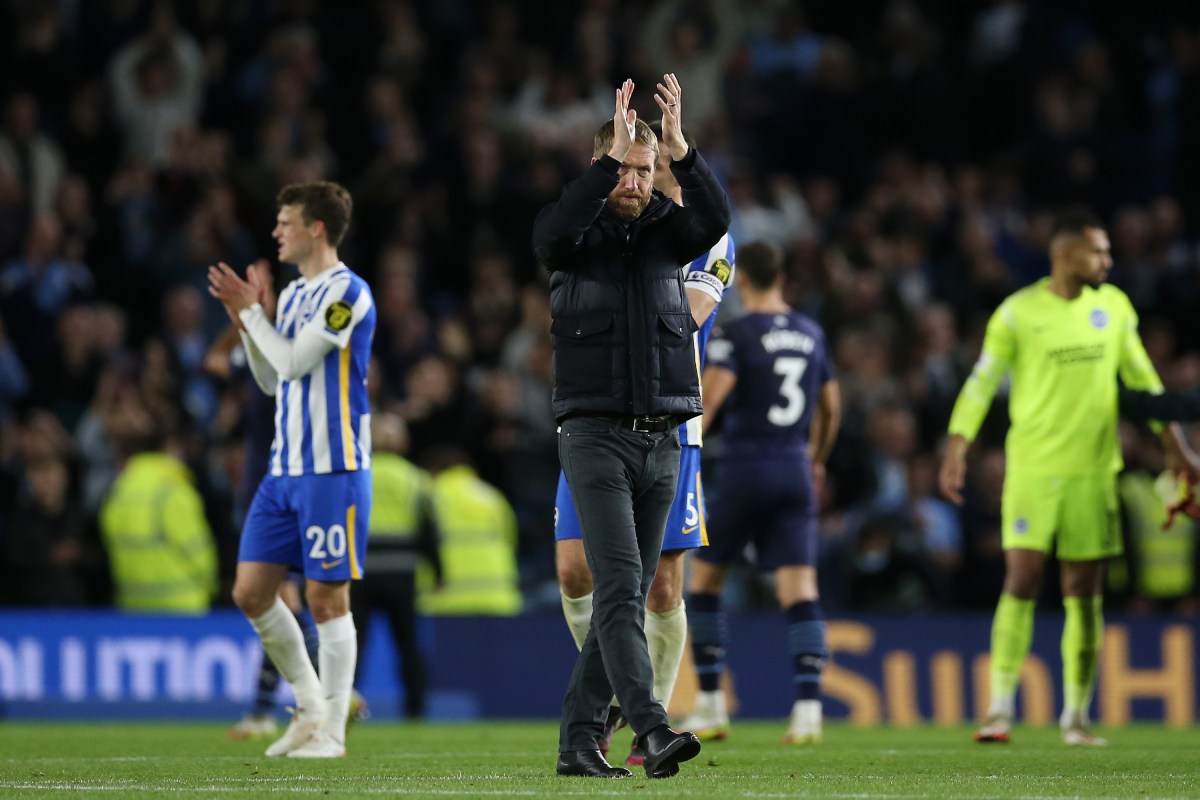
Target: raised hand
[235, 293]
[259, 275]
[624, 119]
[668, 99]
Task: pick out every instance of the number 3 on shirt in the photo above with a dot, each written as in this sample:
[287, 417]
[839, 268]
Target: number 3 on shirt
[792, 369]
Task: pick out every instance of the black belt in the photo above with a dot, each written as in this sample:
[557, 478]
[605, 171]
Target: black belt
[644, 424]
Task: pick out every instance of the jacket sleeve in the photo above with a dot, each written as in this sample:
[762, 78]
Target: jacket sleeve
[560, 227]
[1168, 406]
[705, 215]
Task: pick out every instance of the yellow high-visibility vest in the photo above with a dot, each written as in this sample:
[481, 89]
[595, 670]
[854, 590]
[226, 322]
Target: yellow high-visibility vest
[160, 548]
[1164, 557]
[400, 494]
[478, 548]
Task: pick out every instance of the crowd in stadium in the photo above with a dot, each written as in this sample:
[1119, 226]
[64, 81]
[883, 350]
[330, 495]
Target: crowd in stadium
[909, 163]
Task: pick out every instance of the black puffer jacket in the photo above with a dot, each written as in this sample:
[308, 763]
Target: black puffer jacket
[622, 327]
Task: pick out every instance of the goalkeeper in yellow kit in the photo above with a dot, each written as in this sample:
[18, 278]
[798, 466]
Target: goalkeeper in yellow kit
[1064, 339]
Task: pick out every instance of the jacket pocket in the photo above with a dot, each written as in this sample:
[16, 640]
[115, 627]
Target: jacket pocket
[677, 369]
[583, 359]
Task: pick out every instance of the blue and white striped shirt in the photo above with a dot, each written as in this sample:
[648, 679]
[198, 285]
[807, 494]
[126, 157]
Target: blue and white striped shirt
[711, 273]
[322, 415]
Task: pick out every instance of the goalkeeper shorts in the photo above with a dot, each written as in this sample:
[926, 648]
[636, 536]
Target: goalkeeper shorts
[1075, 515]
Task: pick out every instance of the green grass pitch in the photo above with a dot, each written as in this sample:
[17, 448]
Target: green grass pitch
[502, 759]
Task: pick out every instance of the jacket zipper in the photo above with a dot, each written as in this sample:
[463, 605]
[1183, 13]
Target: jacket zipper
[632, 322]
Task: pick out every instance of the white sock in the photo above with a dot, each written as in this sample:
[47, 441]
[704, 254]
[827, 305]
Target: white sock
[283, 641]
[1003, 705]
[710, 706]
[578, 611]
[666, 636]
[337, 655]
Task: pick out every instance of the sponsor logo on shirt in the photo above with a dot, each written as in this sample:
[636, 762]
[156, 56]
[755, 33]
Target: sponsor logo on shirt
[338, 315]
[721, 270]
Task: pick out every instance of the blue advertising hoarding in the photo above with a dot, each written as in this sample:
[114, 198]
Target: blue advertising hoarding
[100, 664]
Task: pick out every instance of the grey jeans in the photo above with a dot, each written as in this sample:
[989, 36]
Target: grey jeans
[623, 483]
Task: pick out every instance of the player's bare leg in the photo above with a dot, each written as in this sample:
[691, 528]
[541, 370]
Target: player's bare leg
[337, 655]
[259, 722]
[575, 586]
[1083, 632]
[1012, 634]
[709, 719]
[666, 623]
[796, 590]
[256, 593]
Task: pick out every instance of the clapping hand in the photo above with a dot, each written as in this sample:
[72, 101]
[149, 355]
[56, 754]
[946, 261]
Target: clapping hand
[624, 120]
[259, 275]
[233, 292]
[668, 99]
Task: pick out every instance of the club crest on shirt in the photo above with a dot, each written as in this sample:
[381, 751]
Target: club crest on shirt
[1021, 525]
[1099, 318]
[337, 316]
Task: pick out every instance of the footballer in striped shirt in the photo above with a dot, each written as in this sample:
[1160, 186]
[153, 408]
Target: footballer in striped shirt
[310, 350]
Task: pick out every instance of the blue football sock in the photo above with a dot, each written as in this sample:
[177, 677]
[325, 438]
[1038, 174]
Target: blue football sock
[709, 635]
[806, 645]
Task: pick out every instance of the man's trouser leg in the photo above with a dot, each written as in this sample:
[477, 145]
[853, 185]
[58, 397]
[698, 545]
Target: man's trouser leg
[623, 483]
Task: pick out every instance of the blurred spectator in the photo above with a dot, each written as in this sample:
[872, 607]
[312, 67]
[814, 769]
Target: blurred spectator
[888, 572]
[935, 518]
[160, 549]
[87, 135]
[479, 541]
[893, 438]
[434, 405]
[46, 558]
[187, 345]
[692, 41]
[982, 574]
[14, 380]
[156, 85]
[559, 105]
[403, 535]
[31, 156]
[1158, 572]
[778, 215]
[66, 379]
[38, 286]
[40, 60]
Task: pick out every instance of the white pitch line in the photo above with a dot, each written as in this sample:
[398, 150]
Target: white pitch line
[472, 792]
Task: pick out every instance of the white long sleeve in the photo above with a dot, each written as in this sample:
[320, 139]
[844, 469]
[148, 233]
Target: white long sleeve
[285, 358]
[264, 374]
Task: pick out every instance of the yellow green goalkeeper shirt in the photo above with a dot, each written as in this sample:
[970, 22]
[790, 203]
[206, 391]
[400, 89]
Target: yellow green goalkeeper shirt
[1064, 357]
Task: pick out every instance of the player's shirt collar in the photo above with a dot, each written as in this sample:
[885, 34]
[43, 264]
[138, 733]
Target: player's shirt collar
[321, 276]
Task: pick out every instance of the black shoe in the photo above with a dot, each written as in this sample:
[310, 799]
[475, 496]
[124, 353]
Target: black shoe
[663, 749]
[589, 764]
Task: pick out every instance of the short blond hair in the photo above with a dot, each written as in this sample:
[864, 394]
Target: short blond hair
[642, 134]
